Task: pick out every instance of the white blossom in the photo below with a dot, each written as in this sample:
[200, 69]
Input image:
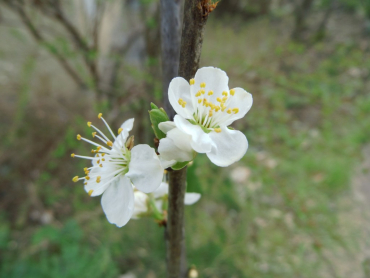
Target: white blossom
[159, 196]
[116, 166]
[205, 108]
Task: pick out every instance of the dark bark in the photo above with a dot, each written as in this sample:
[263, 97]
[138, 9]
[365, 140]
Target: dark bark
[195, 17]
[301, 12]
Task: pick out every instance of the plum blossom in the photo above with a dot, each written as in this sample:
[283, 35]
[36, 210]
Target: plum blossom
[159, 196]
[116, 167]
[205, 108]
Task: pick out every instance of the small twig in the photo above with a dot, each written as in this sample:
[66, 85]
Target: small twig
[39, 38]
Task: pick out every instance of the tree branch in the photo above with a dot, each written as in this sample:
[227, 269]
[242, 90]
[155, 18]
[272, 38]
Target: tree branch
[39, 38]
[195, 17]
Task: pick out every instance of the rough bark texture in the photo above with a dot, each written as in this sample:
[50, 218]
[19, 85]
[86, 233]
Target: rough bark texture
[195, 17]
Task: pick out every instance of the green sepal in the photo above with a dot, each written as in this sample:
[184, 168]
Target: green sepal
[153, 106]
[206, 130]
[231, 128]
[180, 165]
[157, 116]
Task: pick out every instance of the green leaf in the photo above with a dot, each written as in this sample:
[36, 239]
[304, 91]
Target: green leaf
[153, 106]
[157, 116]
[180, 165]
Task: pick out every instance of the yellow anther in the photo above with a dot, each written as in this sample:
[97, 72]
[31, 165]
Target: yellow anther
[212, 105]
[103, 159]
[100, 115]
[101, 165]
[98, 179]
[183, 104]
[87, 172]
[181, 101]
[229, 111]
[103, 154]
[192, 81]
[87, 178]
[198, 93]
[88, 124]
[92, 151]
[165, 171]
[202, 92]
[224, 93]
[202, 85]
[232, 92]
[75, 179]
[98, 148]
[98, 161]
[210, 113]
[218, 130]
[224, 99]
[97, 155]
[93, 134]
[85, 183]
[90, 192]
[199, 100]
[78, 137]
[217, 108]
[72, 155]
[210, 93]
[85, 169]
[120, 130]
[219, 99]
[109, 143]
[236, 110]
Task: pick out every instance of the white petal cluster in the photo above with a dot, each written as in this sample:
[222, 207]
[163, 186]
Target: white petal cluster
[205, 108]
[116, 167]
[141, 206]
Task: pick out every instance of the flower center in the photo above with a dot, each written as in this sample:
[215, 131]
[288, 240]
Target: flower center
[210, 109]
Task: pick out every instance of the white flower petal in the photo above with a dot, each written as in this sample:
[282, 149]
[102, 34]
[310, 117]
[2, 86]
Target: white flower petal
[180, 139]
[166, 126]
[128, 125]
[169, 151]
[231, 145]
[216, 80]
[166, 163]
[241, 100]
[118, 202]
[140, 205]
[200, 141]
[180, 88]
[145, 169]
[191, 198]
[161, 190]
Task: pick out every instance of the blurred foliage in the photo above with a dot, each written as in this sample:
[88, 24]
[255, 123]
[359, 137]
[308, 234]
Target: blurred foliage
[285, 210]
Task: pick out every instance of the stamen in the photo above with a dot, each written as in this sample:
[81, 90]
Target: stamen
[101, 165]
[120, 130]
[202, 85]
[236, 110]
[100, 115]
[93, 134]
[90, 192]
[224, 99]
[87, 178]
[98, 179]
[199, 100]
[224, 93]
[75, 179]
[79, 137]
[210, 93]
[89, 124]
[219, 99]
[218, 130]
[232, 92]
[109, 143]
[192, 81]
[229, 111]
[203, 91]
[72, 155]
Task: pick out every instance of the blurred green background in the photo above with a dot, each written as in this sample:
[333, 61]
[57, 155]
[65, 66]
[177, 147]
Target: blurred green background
[297, 204]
